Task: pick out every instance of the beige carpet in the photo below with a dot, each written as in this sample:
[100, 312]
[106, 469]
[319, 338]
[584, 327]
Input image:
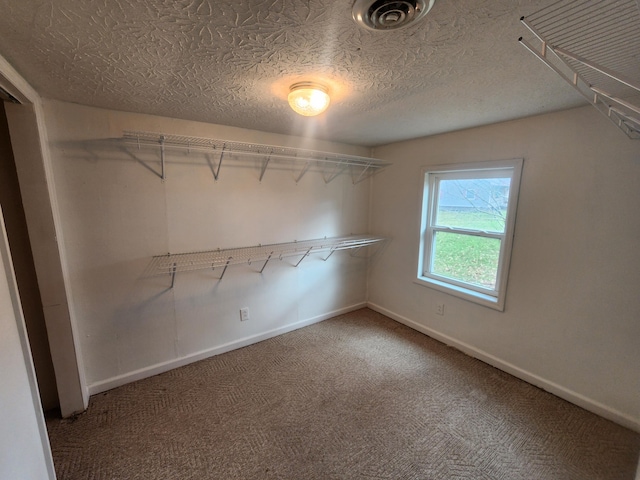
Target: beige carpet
[355, 397]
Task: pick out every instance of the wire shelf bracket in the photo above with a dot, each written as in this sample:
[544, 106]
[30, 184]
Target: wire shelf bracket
[301, 160]
[593, 45]
[170, 264]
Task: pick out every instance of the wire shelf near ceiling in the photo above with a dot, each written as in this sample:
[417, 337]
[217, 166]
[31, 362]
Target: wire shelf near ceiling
[171, 264]
[595, 46]
[335, 163]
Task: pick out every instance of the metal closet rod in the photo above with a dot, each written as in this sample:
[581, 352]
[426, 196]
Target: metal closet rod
[267, 152]
[223, 258]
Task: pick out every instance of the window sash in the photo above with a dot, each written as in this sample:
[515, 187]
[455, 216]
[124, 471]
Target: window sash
[467, 231]
[430, 253]
[494, 297]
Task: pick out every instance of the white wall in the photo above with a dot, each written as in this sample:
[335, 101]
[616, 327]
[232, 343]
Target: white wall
[116, 213]
[24, 446]
[571, 323]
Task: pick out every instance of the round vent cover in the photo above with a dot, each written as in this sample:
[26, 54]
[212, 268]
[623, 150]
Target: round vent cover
[390, 14]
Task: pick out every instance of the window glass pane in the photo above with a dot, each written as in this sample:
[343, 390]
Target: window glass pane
[476, 204]
[466, 258]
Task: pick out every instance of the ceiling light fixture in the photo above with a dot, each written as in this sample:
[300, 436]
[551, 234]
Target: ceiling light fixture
[308, 98]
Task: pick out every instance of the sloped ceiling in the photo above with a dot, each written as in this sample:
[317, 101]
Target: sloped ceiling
[232, 62]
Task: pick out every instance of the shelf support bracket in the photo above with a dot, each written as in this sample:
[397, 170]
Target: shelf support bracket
[265, 263]
[304, 170]
[360, 177]
[173, 275]
[337, 170]
[162, 175]
[264, 167]
[216, 172]
[330, 253]
[225, 268]
[304, 256]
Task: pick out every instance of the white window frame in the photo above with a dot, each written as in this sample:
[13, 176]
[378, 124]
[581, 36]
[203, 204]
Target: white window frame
[493, 298]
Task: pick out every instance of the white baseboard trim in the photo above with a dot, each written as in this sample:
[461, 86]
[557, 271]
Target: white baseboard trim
[108, 384]
[547, 385]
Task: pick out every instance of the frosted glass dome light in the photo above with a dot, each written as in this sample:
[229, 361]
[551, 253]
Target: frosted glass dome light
[308, 98]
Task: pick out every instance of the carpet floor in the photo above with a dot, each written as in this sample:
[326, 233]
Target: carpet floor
[358, 396]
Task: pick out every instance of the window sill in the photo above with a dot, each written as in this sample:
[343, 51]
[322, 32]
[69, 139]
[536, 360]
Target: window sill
[461, 292]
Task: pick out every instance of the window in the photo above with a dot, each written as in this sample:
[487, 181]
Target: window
[468, 217]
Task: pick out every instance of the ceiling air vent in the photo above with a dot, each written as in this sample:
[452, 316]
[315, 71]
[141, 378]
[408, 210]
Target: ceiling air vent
[383, 15]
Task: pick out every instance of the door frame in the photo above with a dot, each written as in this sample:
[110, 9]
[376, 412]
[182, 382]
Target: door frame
[35, 176]
[39, 461]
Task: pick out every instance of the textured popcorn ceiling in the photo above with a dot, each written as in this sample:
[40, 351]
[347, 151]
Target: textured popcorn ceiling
[231, 62]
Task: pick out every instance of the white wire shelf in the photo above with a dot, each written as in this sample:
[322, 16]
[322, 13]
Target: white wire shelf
[171, 264]
[332, 164]
[594, 45]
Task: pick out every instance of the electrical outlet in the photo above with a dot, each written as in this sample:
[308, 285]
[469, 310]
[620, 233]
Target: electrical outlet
[440, 309]
[244, 314]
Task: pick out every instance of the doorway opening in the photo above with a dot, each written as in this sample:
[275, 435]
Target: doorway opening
[23, 264]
